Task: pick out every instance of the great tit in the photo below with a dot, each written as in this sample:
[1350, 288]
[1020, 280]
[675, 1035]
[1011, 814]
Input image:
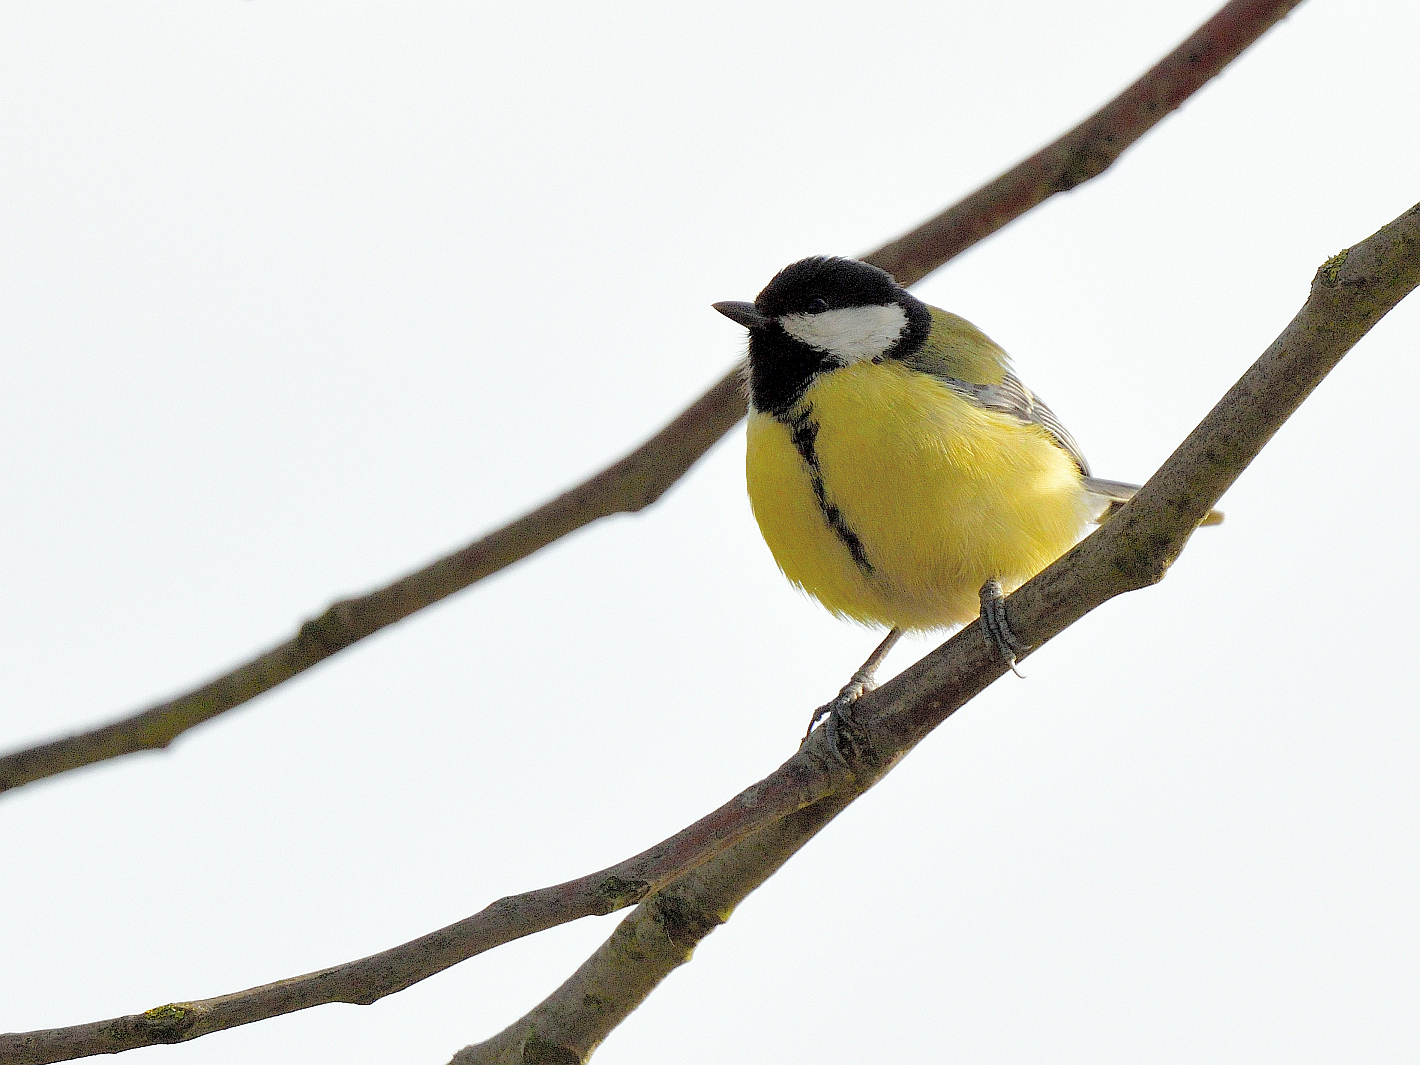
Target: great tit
[901, 474]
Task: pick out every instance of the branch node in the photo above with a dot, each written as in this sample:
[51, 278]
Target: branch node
[1146, 566]
[684, 925]
[331, 632]
[538, 1052]
[168, 1024]
[1091, 157]
[1330, 272]
[848, 748]
[617, 893]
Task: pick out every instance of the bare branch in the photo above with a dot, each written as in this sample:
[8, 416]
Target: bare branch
[1349, 294]
[636, 481]
[1088, 149]
[643, 476]
[800, 782]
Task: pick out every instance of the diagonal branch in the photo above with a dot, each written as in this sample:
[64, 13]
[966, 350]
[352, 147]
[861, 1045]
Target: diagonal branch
[627, 486]
[1349, 294]
[640, 478]
[1087, 150]
[800, 782]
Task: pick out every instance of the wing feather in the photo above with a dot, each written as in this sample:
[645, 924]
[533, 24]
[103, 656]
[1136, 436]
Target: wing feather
[1014, 398]
[959, 355]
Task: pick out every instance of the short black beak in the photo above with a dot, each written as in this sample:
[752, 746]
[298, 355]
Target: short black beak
[741, 312]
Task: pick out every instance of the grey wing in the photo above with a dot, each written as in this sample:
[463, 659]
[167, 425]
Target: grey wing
[1013, 398]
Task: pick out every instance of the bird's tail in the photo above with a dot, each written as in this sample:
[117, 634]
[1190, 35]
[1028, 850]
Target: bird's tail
[1111, 495]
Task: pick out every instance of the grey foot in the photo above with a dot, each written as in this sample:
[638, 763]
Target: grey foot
[849, 694]
[993, 620]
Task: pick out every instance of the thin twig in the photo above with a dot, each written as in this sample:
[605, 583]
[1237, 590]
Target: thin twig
[643, 476]
[1087, 150]
[1134, 549]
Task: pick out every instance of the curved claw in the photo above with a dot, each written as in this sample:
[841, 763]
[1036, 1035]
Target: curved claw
[862, 681]
[993, 620]
[849, 694]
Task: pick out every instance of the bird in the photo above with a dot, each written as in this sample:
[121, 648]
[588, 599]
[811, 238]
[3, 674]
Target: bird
[898, 469]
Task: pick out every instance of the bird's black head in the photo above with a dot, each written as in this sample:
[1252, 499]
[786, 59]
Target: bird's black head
[821, 314]
[822, 283]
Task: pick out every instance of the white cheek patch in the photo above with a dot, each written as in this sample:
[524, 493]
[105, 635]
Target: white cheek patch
[851, 333]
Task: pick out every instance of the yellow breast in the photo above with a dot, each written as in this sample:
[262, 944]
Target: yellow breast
[891, 499]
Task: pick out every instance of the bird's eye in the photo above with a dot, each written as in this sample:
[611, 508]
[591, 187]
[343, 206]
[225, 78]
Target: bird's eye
[817, 305]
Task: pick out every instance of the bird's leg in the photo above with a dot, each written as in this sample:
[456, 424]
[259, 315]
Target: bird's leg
[864, 680]
[993, 620]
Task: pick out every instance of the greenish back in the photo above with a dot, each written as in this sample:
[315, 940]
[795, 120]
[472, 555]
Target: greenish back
[957, 349]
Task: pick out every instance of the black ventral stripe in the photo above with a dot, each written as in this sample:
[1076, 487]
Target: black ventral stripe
[804, 432]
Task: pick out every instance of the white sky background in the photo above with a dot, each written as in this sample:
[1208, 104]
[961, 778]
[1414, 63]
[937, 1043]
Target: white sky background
[299, 296]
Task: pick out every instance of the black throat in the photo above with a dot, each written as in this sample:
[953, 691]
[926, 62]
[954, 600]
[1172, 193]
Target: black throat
[781, 369]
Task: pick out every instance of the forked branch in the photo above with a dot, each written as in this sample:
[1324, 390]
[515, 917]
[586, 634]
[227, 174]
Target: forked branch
[727, 854]
[1350, 293]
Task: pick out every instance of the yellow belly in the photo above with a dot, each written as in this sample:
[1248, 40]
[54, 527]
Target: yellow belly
[941, 494]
